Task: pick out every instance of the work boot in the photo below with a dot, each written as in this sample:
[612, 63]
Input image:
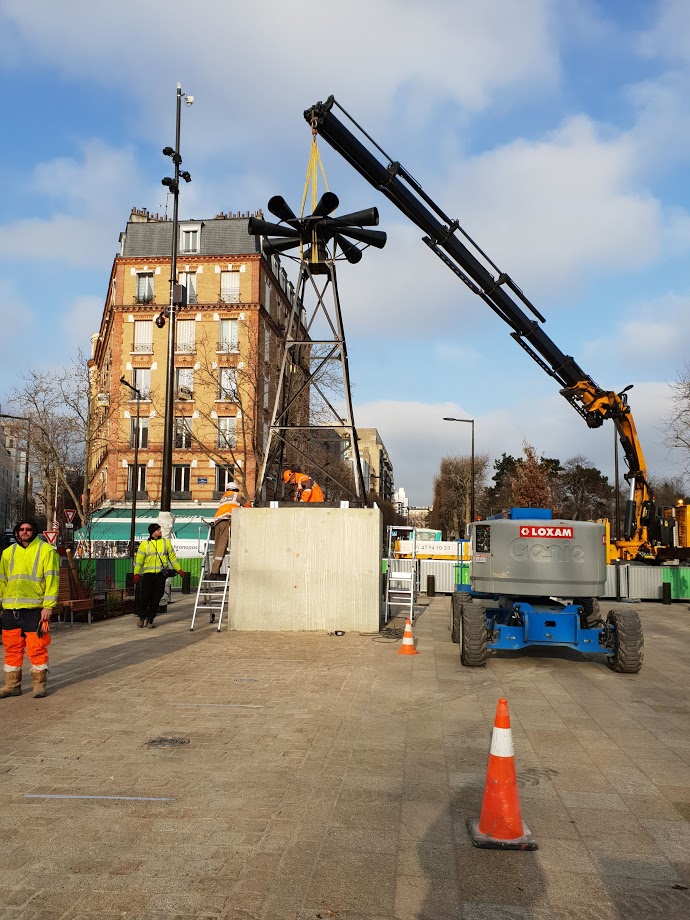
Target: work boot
[140, 622]
[39, 678]
[13, 684]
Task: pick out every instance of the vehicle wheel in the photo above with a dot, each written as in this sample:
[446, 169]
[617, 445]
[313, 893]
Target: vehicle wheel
[590, 608]
[474, 636]
[456, 606]
[628, 642]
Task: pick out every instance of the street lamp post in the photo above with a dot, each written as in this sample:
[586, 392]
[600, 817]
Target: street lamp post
[173, 184]
[468, 421]
[135, 477]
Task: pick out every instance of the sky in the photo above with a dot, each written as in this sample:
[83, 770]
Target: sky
[556, 131]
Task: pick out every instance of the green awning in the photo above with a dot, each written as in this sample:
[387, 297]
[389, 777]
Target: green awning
[114, 524]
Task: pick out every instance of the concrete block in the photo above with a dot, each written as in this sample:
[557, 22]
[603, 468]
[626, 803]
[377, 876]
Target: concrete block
[306, 568]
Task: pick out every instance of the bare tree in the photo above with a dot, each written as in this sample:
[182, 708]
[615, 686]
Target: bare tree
[678, 422]
[453, 491]
[57, 405]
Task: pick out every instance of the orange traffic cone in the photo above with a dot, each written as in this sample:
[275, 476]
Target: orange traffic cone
[500, 825]
[407, 647]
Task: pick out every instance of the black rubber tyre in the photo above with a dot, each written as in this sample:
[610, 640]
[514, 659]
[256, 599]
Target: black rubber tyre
[628, 650]
[456, 606]
[590, 607]
[474, 636]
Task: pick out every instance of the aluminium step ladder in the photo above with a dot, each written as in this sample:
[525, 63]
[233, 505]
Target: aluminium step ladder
[212, 592]
[401, 576]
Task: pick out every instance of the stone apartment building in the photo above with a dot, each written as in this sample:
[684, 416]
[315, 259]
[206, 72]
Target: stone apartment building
[376, 461]
[228, 345]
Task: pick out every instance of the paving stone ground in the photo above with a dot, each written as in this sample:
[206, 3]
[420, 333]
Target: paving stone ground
[329, 778]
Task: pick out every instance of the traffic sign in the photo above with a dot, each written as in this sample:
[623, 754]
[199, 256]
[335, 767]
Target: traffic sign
[69, 514]
[56, 525]
[51, 536]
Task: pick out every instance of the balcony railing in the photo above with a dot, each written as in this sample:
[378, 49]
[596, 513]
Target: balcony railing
[143, 298]
[185, 348]
[142, 347]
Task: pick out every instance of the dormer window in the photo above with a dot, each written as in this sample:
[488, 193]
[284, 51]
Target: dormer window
[190, 238]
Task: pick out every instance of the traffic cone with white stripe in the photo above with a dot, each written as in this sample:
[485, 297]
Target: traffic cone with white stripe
[500, 825]
[407, 647]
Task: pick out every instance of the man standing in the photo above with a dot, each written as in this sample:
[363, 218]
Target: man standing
[29, 585]
[222, 522]
[155, 558]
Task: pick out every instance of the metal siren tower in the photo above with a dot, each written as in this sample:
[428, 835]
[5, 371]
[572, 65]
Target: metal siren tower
[313, 405]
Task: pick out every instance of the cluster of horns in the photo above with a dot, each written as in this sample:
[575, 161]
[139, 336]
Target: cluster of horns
[318, 229]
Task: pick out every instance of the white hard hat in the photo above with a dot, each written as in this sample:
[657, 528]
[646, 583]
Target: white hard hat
[233, 487]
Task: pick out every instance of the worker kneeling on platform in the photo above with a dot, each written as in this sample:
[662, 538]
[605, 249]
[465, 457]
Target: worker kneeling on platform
[302, 487]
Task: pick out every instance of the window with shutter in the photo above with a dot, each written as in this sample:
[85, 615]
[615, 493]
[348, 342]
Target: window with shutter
[228, 384]
[228, 337]
[227, 433]
[141, 380]
[230, 287]
[144, 292]
[185, 336]
[188, 282]
[143, 336]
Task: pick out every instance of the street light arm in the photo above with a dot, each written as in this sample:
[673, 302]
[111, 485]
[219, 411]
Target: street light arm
[469, 421]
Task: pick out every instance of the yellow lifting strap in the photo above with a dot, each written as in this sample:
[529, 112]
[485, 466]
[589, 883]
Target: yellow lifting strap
[313, 167]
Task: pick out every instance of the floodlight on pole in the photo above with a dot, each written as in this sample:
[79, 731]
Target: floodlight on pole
[173, 185]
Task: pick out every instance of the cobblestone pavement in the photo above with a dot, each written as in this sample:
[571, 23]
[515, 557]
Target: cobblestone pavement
[329, 778]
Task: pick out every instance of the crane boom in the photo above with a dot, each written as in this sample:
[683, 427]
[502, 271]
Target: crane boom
[447, 239]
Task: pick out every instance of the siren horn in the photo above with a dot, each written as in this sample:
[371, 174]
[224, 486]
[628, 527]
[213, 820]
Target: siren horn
[258, 227]
[278, 246]
[375, 238]
[279, 207]
[350, 251]
[369, 217]
[325, 205]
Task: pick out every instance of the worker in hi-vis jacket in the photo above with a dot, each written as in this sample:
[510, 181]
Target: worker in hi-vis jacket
[303, 487]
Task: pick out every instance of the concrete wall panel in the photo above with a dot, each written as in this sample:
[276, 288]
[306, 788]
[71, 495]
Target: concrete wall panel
[306, 568]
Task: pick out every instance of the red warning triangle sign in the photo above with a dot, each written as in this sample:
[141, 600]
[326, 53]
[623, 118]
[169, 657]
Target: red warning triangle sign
[51, 536]
[69, 514]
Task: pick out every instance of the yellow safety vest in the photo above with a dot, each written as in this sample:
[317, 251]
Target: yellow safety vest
[155, 555]
[29, 577]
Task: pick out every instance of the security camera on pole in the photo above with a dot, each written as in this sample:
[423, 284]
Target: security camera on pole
[165, 518]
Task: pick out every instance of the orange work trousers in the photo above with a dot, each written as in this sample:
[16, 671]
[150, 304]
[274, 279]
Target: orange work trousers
[19, 634]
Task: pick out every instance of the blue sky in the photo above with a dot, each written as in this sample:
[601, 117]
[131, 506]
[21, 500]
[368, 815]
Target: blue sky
[556, 131]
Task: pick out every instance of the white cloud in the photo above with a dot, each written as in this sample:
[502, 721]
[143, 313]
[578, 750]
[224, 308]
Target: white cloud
[416, 436]
[668, 38]
[81, 321]
[253, 73]
[549, 210]
[651, 339]
[88, 194]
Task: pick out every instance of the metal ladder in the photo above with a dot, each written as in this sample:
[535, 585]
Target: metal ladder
[212, 592]
[401, 576]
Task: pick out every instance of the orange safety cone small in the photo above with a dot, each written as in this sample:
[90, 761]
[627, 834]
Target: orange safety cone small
[500, 825]
[407, 647]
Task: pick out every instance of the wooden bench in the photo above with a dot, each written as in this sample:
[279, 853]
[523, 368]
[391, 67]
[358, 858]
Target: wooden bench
[66, 600]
